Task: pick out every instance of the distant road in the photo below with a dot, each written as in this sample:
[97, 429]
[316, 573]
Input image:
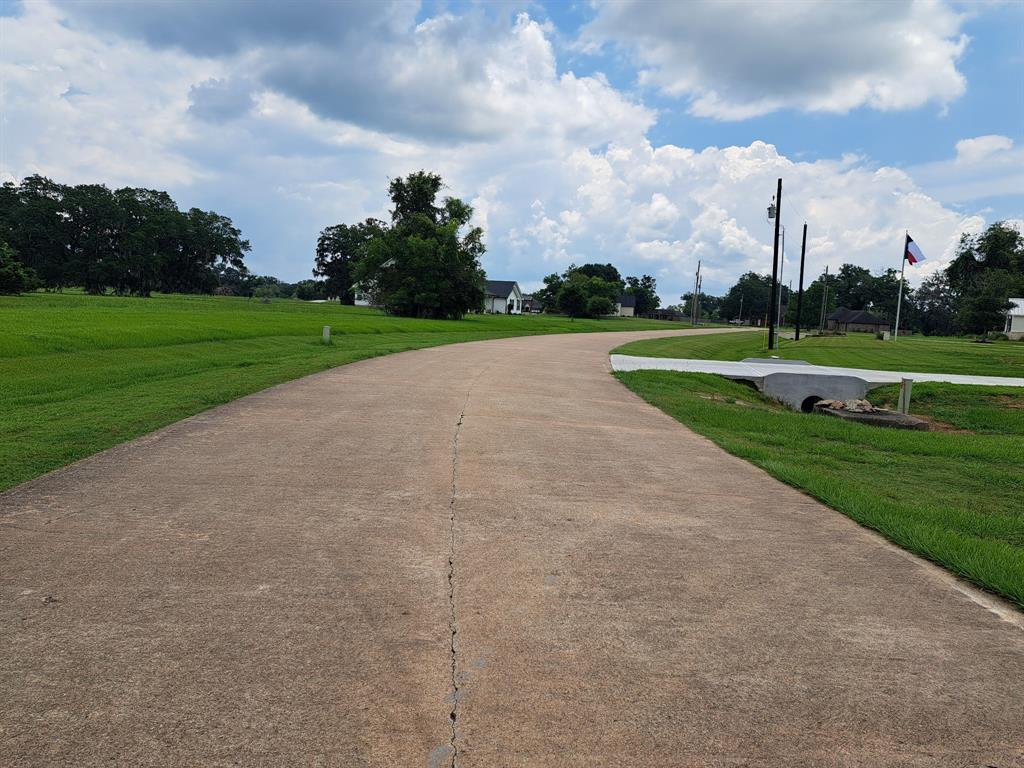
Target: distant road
[486, 554]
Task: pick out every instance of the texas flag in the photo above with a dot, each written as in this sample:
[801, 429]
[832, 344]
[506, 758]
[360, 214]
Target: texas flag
[912, 253]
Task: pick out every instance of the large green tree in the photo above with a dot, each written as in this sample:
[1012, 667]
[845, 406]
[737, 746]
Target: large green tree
[935, 306]
[132, 240]
[645, 291]
[750, 294]
[988, 269]
[338, 250]
[427, 262]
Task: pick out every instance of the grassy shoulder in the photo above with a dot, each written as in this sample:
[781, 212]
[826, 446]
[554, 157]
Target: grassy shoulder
[79, 374]
[856, 350]
[953, 497]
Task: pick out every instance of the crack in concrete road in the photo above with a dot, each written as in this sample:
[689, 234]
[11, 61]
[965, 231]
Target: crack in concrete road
[453, 625]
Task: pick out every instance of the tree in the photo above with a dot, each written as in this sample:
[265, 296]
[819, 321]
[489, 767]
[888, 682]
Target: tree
[751, 292]
[572, 299]
[599, 306]
[132, 240]
[338, 249]
[853, 287]
[935, 306]
[266, 291]
[606, 272]
[645, 290]
[810, 316]
[987, 270]
[984, 307]
[15, 277]
[548, 295]
[424, 264]
[311, 290]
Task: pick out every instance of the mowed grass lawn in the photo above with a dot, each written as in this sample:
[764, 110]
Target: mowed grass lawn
[954, 496]
[857, 350]
[79, 374]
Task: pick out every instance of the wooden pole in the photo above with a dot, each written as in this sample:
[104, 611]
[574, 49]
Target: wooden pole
[800, 286]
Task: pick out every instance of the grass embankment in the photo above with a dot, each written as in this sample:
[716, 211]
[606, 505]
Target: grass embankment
[82, 373]
[955, 497]
[857, 350]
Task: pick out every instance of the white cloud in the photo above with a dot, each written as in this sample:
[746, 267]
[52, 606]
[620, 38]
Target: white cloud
[984, 167]
[558, 166]
[735, 59]
[981, 147]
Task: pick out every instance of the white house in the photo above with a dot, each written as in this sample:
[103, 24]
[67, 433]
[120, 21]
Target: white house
[362, 299]
[503, 297]
[626, 305]
[1015, 320]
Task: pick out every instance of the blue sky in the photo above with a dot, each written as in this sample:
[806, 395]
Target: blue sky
[645, 134]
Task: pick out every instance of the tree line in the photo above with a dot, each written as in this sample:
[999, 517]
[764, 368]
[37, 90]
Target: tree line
[970, 296]
[131, 240]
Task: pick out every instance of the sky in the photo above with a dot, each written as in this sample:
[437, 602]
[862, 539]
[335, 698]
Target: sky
[645, 134]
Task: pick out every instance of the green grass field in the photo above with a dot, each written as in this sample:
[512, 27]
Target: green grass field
[955, 497]
[857, 350]
[82, 373]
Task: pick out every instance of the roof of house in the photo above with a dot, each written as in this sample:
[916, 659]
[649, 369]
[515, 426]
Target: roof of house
[856, 316]
[502, 288]
[627, 300]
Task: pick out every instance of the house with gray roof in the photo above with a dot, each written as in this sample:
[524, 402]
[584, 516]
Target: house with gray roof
[845, 320]
[503, 297]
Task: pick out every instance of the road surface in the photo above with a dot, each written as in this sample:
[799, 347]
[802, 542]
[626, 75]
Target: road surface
[489, 554]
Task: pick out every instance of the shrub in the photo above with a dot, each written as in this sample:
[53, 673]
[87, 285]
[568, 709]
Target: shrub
[598, 306]
[15, 277]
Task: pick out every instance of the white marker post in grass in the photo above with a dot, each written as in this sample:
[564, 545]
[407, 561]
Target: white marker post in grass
[327, 334]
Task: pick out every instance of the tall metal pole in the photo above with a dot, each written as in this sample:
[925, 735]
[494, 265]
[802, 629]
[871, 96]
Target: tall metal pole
[741, 308]
[693, 296]
[899, 300]
[700, 284]
[824, 302]
[775, 268]
[800, 286]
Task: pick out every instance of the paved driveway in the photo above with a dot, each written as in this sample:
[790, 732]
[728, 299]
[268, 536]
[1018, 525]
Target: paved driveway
[492, 554]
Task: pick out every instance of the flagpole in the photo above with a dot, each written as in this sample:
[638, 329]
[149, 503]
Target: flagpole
[903, 266]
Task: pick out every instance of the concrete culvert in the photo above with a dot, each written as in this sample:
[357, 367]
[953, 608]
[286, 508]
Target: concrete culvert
[808, 404]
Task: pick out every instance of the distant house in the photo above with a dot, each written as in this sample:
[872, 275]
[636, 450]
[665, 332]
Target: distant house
[503, 297]
[1015, 320]
[361, 297]
[532, 304]
[626, 305]
[845, 320]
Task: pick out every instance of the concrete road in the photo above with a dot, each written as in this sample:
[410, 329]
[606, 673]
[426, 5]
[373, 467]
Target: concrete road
[490, 554]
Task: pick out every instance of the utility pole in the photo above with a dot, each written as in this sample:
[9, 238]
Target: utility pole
[824, 302]
[800, 289]
[741, 308]
[777, 210]
[693, 296]
[700, 287]
[782, 269]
